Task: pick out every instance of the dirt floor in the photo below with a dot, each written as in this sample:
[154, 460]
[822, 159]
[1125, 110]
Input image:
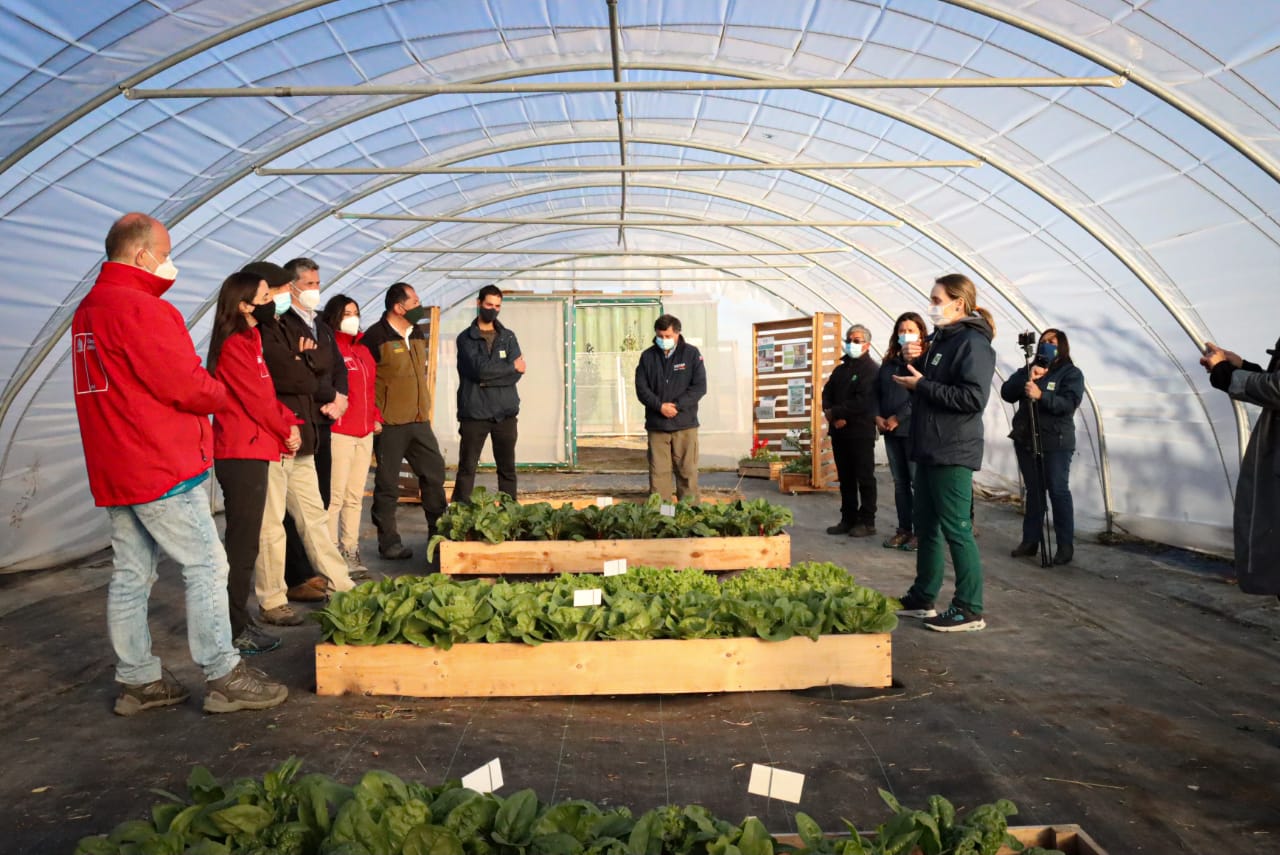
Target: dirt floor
[1133, 693]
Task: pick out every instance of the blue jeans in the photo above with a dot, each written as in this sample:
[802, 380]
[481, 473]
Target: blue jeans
[898, 450]
[1057, 469]
[183, 527]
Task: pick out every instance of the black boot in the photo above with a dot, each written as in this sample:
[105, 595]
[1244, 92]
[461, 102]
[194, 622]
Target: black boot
[840, 528]
[1064, 554]
[1025, 549]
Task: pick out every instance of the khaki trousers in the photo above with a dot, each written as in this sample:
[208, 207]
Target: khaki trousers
[674, 456]
[351, 458]
[292, 487]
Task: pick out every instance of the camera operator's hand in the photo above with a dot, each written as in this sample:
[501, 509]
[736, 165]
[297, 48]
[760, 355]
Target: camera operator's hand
[909, 382]
[912, 350]
[1032, 390]
[1038, 371]
[1214, 354]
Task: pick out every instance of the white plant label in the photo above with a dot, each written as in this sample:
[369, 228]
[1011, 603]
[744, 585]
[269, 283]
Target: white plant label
[587, 597]
[667, 510]
[604, 501]
[775, 783]
[486, 779]
[616, 567]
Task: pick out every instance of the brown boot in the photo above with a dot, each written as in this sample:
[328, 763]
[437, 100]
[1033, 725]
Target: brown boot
[310, 591]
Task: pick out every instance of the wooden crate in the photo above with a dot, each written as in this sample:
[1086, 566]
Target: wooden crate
[472, 558]
[1069, 839]
[662, 666]
[761, 470]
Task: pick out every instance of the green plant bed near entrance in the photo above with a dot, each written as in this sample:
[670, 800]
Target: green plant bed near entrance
[288, 814]
[497, 518]
[644, 603]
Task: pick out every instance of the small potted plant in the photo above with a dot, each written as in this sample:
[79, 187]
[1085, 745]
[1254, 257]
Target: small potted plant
[797, 474]
[761, 462]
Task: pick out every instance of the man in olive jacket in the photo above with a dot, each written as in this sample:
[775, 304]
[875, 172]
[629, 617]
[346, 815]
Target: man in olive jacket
[400, 390]
[489, 367]
[670, 380]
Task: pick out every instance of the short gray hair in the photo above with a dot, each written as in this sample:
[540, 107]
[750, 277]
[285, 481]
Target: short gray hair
[858, 328]
[296, 265]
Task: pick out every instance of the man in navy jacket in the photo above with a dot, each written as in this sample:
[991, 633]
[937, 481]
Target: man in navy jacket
[670, 380]
[489, 367]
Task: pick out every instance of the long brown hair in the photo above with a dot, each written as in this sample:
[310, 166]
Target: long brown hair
[227, 321]
[894, 350]
[958, 287]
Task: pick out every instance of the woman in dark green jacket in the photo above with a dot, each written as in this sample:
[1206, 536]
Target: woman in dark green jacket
[948, 398]
[1054, 389]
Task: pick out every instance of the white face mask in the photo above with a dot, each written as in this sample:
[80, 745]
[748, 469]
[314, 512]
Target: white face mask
[165, 269]
[935, 314]
[907, 338]
[309, 299]
[350, 324]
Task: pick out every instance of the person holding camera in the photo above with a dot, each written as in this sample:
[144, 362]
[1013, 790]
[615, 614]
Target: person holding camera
[1257, 534]
[948, 399]
[893, 419]
[1048, 391]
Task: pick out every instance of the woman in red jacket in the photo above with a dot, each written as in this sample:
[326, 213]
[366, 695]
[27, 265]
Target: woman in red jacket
[353, 434]
[254, 428]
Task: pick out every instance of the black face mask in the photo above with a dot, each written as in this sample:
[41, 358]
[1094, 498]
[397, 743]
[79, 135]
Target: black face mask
[264, 313]
[488, 315]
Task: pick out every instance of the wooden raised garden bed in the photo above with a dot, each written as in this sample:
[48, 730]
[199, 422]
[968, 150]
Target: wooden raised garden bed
[459, 558]
[1068, 839]
[659, 666]
[761, 470]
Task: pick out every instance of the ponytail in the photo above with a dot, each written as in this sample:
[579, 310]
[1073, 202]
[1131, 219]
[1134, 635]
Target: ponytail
[986, 316]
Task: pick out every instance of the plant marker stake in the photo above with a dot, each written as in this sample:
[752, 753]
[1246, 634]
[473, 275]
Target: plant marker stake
[486, 779]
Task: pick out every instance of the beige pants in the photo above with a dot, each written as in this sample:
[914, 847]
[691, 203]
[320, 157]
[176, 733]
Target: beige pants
[292, 486]
[674, 454]
[351, 458]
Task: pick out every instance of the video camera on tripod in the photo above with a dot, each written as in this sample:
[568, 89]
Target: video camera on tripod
[1028, 341]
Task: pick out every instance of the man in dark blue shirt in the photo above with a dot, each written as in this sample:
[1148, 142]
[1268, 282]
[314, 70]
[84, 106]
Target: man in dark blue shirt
[670, 380]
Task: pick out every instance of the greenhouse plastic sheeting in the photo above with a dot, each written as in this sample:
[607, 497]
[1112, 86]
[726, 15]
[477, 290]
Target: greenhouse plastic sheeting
[1141, 219]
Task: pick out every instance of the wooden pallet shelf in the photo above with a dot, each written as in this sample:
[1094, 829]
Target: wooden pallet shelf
[660, 666]
[471, 558]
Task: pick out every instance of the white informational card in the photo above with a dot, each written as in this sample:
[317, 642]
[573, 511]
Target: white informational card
[667, 510]
[486, 779]
[767, 408]
[775, 783]
[616, 567]
[604, 501]
[587, 597]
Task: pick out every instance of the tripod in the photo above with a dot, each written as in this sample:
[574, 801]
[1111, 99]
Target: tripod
[1042, 485]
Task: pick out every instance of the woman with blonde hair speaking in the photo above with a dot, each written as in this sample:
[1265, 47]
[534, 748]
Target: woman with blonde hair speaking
[948, 399]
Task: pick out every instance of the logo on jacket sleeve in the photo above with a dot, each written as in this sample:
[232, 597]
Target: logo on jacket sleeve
[90, 374]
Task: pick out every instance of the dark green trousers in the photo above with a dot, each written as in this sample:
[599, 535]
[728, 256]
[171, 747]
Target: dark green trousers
[943, 498]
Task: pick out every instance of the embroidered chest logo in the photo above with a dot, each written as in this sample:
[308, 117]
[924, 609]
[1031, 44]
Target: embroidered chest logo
[679, 366]
[263, 372]
[937, 358]
[1050, 386]
[352, 363]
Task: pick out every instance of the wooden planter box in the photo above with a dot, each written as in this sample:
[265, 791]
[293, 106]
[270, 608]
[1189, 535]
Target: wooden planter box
[662, 666]
[791, 482]
[761, 470]
[1069, 839]
[462, 558]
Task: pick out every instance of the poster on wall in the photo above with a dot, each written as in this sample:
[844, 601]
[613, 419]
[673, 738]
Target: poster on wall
[767, 409]
[795, 396]
[794, 357]
[764, 355]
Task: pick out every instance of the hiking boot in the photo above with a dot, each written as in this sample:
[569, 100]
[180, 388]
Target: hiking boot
[310, 591]
[244, 688]
[1064, 555]
[159, 693]
[862, 530]
[912, 544]
[395, 552]
[956, 619]
[281, 615]
[1025, 549]
[355, 567]
[897, 540]
[252, 640]
[841, 527]
[913, 606]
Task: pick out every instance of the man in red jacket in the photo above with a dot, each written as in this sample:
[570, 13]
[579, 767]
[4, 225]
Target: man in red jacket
[144, 402]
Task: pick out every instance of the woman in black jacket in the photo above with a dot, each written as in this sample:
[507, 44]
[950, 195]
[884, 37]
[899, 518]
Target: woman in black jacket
[1054, 389]
[893, 419]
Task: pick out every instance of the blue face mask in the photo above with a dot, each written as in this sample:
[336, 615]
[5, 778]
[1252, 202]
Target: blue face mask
[664, 343]
[1048, 352]
[851, 350]
[906, 338]
[283, 302]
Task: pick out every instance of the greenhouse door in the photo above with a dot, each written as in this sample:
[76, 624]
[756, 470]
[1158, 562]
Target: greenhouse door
[608, 337]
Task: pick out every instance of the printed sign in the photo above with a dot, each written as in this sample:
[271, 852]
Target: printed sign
[764, 355]
[795, 396]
